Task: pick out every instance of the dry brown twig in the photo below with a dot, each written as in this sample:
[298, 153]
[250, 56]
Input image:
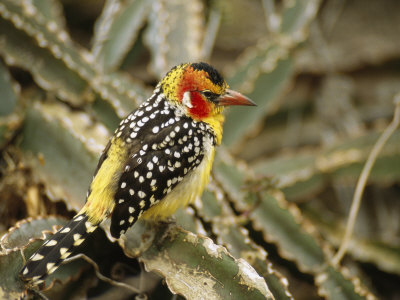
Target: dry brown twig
[362, 180]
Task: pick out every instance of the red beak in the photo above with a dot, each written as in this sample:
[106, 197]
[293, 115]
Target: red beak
[234, 98]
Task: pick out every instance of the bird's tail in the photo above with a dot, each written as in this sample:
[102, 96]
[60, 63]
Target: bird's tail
[50, 255]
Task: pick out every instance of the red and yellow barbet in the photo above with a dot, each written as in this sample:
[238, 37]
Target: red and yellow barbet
[158, 160]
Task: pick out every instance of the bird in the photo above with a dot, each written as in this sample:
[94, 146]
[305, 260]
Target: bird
[158, 159]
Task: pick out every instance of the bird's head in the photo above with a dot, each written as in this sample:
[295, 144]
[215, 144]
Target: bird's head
[200, 90]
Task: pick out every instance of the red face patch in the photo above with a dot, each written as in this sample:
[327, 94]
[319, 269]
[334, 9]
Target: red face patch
[201, 107]
[195, 81]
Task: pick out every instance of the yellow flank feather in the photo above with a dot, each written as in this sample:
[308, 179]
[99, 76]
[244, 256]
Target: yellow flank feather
[100, 202]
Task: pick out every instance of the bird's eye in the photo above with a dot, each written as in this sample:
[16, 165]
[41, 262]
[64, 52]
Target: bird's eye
[210, 95]
[207, 93]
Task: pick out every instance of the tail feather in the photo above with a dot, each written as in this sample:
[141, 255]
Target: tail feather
[50, 255]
